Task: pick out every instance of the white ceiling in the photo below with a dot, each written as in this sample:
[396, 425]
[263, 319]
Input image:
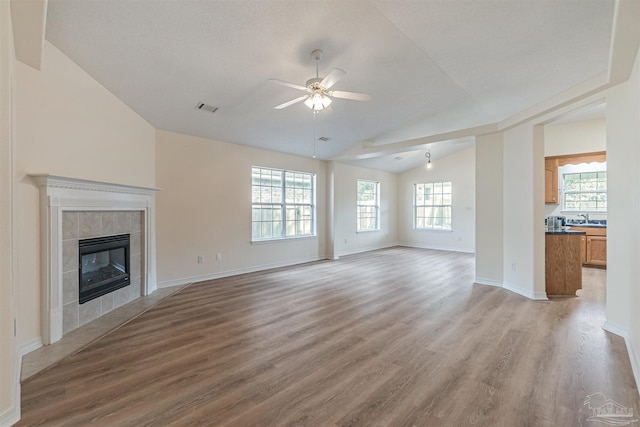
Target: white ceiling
[432, 66]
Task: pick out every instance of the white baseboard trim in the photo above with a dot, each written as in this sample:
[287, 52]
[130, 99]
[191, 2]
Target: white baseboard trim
[229, 273]
[28, 347]
[538, 296]
[614, 329]
[489, 282]
[366, 249]
[12, 414]
[438, 248]
[633, 359]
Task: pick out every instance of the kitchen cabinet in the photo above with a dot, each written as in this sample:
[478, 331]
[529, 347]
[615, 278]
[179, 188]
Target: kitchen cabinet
[551, 181]
[563, 269]
[593, 250]
[551, 165]
[597, 250]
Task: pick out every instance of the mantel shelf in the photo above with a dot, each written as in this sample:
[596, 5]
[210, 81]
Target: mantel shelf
[48, 180]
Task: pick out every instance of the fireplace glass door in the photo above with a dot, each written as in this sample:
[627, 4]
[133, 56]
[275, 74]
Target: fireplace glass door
[104, 266]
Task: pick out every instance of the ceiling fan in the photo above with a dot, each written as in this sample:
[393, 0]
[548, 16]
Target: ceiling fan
[318, 95]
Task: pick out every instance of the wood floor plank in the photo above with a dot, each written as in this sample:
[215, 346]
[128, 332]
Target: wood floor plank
[394, 337]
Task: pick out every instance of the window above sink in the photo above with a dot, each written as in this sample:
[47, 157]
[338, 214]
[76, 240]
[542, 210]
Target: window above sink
[583, 189]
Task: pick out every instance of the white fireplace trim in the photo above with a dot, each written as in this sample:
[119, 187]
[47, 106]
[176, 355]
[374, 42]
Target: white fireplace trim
[59, 194]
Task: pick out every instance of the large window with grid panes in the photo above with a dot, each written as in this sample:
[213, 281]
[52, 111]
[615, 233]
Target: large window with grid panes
[282, 204]
[368, 205]
[432, 206]
[585, 192]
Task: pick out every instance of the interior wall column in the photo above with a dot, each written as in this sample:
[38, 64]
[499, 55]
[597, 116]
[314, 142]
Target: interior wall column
[523, 211]
[330, 251]
[489, 206]
[539, 281]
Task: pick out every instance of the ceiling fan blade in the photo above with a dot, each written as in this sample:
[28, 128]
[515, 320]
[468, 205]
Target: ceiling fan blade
[350, 95]
[332, 78]
[283, 83]
[286, 104]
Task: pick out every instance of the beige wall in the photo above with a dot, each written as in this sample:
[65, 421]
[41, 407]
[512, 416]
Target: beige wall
[347, 239]
[489, 209]
[67, 124]
[623, 230]
[579, 137]
[634, 296]
[459, 168]
[204, 208]
[9, 369]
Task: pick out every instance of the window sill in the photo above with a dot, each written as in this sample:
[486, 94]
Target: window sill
[282, 239]
[367, 231]
[439, 230]
[584, 212]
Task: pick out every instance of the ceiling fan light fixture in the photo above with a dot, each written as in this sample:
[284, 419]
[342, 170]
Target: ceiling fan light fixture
[317, 101]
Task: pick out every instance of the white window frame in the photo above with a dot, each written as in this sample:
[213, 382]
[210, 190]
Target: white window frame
[363, 206]
[437, 201]
[580, 192]
[283, 206]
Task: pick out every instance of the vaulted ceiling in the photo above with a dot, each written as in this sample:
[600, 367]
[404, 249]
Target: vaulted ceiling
[431, 66]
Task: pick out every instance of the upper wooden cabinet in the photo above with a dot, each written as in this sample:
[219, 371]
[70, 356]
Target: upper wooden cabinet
[551, 181]
[551, 165]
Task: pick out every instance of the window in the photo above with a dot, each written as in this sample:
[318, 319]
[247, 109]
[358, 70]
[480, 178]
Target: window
[585, 192]
[283, 204]
[432, 206]
[368, 210]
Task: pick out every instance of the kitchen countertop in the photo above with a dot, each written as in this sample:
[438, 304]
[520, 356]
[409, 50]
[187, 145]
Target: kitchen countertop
[594, 223]
[564, 231]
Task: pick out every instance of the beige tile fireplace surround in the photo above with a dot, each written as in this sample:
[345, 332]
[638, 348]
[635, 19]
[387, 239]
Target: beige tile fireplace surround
[77, 225]
[72, 209]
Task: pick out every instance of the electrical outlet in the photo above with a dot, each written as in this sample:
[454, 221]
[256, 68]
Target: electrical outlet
[513, 266]
[200, 259]
[219, 257]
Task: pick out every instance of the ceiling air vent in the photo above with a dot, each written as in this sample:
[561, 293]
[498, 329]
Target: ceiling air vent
[323, 139]
[206, 107]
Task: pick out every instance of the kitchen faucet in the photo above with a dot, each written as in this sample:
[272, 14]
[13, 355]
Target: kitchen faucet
[585, 216]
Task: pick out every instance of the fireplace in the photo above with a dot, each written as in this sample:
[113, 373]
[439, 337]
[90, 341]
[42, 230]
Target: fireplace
[104, 266]
[72, 209]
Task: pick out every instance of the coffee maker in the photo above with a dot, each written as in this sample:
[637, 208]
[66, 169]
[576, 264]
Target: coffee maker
[556, 222]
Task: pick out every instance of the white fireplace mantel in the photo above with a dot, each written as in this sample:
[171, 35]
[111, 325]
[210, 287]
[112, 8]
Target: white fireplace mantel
[59, 194]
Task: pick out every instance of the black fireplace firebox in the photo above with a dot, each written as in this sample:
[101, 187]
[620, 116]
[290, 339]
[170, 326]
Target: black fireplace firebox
[104, 266]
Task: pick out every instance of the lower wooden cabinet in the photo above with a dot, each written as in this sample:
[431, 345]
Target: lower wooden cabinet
[593, 250]
[563, 271]
[597, 251]
[583, 249]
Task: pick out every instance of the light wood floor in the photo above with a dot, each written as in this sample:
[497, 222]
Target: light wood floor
[396, 337]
